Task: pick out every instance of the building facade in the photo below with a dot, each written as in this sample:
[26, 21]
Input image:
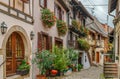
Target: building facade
[15, 43]
[46, 38]
[97, 39]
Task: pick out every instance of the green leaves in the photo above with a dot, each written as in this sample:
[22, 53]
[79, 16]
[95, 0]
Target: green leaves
[83, 44]
[43, 60]
[62, 27]
[48, 17]
[24, 66]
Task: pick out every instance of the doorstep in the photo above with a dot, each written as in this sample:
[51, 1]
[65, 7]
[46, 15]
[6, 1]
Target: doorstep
[18, 77]
[14, 77]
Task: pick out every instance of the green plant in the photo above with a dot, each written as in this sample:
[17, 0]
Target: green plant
[60, 61]
[83, 31]
[76, 24]
[72, 54]
[24, 66]
[48, 17]
[83, 44]
[80, 66]
[43, 60]
[62, 27]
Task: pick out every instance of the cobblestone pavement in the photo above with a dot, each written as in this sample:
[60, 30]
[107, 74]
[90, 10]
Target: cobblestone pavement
[91, 73]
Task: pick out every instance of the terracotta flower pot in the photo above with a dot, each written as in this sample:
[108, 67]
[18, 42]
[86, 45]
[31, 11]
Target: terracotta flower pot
[41, 77]
[54, 72]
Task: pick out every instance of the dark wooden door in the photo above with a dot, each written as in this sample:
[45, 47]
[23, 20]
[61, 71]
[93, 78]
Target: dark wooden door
[14, 53]
[97, 57]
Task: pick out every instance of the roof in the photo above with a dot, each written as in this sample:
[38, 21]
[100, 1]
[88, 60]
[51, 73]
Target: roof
[81, 7]
[112, 5]
[64, 5]
[97, 27]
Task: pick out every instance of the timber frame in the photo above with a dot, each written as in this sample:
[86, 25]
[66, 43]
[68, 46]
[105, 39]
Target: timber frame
[27, 18]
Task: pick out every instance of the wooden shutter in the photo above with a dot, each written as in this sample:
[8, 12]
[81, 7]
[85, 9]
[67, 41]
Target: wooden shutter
[39, 41]
[45, 3]
[50, 43]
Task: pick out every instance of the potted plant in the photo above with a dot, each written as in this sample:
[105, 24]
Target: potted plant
[44, 61]
[76, 24]
[48, 18]
[83, 44]
[83, 31]
[60, 61]
[23, 68]
[80, 66]
[62, 27]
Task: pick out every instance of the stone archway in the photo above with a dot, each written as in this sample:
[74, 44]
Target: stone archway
[25, 38]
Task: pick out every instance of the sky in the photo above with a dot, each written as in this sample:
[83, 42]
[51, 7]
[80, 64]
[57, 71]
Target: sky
[100, 12]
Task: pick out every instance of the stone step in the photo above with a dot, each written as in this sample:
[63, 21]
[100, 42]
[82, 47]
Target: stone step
[18, 77]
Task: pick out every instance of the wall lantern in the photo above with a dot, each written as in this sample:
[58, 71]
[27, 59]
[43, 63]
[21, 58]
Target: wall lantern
[3, 28]
[32, 35]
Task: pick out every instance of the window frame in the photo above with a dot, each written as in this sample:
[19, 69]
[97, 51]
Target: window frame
[45, 4]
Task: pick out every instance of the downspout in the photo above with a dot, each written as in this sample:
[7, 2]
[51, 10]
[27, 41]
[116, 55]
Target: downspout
[68, 27]
[113, 36]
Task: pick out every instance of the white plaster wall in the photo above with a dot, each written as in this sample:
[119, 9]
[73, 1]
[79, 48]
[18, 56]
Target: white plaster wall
[10, 21]
[38, 27]
[86, 64]
[1, 68]
[101, 59]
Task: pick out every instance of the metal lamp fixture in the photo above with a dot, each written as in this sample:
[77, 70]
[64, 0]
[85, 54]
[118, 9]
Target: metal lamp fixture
[32, 35]
[3, 28]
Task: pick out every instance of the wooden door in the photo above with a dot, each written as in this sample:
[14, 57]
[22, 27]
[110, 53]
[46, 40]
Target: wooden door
[97, 57]
[14, 53]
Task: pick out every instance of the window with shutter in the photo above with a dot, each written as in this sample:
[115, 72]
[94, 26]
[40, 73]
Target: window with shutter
[39, 41]
[50, 43]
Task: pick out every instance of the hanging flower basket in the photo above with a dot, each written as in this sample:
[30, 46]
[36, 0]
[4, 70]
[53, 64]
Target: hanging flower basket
[62, 27]
[83, 44]
[25, 1]
[48, 18]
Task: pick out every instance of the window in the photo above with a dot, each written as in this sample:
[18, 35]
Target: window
[58, 42]
[44, 41]
[59, 13]
[43, 3]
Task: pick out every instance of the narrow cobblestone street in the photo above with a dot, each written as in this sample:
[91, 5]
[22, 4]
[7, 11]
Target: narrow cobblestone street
[91, 73]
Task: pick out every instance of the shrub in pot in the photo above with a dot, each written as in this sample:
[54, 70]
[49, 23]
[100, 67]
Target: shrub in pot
[60, 61]
[44, 61]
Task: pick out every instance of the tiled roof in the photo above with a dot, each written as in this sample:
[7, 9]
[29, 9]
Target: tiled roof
[96, 26]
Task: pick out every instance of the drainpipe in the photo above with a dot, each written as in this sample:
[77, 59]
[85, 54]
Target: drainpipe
[114, 35]
[68, 27]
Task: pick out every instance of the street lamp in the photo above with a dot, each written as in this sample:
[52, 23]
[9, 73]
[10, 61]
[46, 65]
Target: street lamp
[3, 27]
[32, 35]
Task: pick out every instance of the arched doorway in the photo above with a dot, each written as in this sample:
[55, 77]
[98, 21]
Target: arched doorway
[14, 53]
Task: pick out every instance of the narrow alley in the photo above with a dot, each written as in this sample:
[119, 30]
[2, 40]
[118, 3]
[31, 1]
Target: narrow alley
[93, 72]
